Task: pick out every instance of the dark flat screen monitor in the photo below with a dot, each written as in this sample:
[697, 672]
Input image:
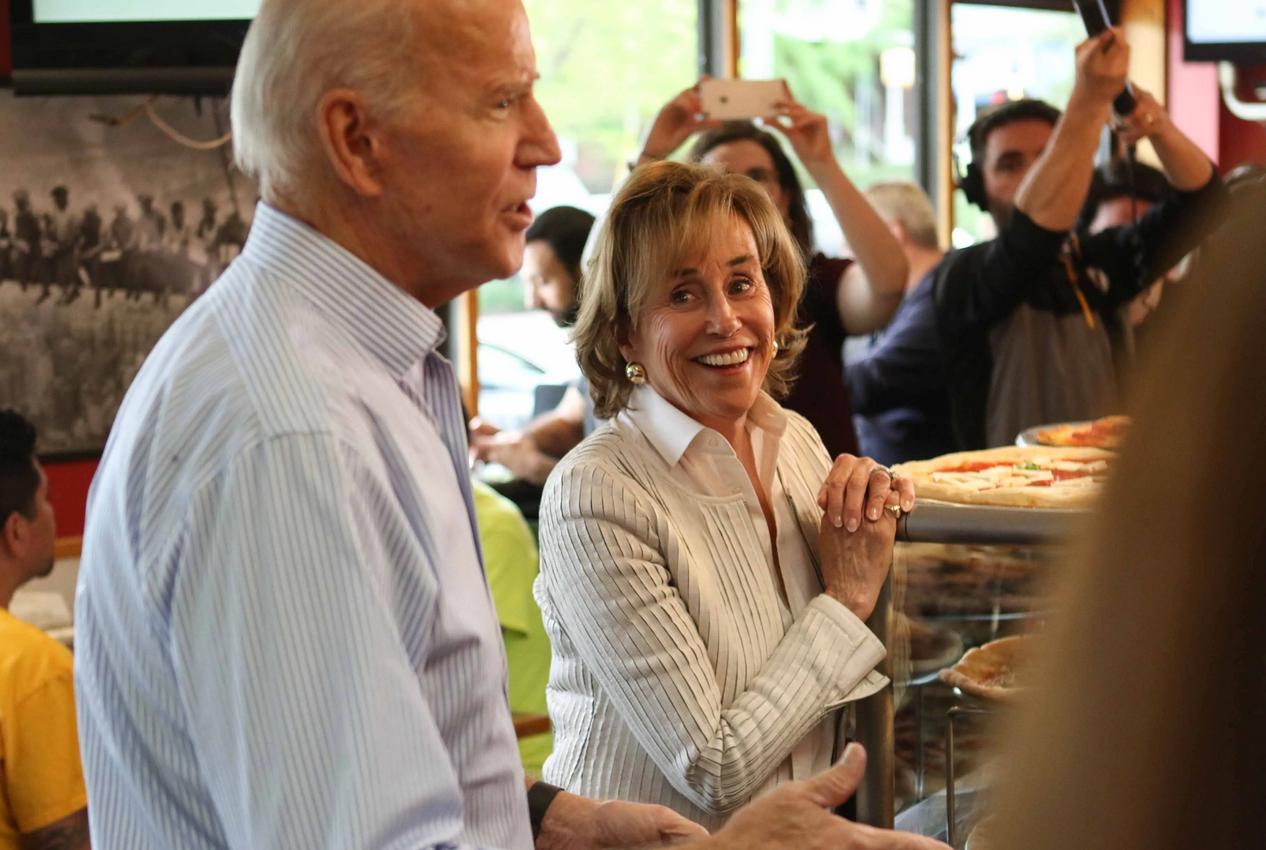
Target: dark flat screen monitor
[1224, 31]
[127, 46]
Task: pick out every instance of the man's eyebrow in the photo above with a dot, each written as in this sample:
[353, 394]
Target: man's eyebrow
[518, 82]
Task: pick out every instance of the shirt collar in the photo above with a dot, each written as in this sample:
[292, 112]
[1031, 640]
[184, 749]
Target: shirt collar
[395, 328]
[672, 431]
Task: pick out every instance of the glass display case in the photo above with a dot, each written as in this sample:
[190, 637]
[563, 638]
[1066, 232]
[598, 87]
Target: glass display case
[962, 577]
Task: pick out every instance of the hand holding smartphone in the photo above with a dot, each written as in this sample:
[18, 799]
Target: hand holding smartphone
[737, 99]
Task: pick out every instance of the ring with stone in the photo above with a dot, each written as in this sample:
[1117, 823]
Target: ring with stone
[895, 510]
[892, 476]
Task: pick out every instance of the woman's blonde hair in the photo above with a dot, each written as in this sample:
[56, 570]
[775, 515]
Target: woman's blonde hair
[661, 217]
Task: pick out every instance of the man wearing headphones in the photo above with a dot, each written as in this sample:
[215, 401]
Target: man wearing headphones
[1026, 320]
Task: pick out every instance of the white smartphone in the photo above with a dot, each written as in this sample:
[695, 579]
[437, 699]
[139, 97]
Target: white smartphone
[732, 99]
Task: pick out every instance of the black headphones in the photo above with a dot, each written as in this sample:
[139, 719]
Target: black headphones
[971, 181]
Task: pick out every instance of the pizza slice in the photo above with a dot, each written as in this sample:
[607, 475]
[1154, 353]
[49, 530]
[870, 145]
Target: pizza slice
[993, 671]
[1106, 433]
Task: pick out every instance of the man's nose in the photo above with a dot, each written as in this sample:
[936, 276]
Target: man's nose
[540, 144]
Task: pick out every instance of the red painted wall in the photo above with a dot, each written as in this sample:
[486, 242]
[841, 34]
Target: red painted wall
[1195, 103]
[68, 491]
[6, 56]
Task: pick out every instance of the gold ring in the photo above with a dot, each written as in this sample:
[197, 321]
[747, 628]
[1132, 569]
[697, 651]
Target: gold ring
[895, 510]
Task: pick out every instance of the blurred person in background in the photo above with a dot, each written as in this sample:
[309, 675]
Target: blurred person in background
[897, 383]
[1027, 320]
[6, 246]
[66, 232]
[551, 276]
[1120, 194]
[1143, 725]
[511, 563]
[43, 802]
[26, 240]
[842, 296]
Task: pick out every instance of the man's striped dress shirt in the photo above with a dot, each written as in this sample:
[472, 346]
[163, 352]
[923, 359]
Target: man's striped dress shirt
[284, 634]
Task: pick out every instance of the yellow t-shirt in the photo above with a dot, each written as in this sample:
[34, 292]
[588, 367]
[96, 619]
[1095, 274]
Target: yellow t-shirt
[510, 561]
[41, 777]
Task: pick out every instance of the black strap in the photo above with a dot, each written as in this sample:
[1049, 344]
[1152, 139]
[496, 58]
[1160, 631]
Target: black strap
[539, 797]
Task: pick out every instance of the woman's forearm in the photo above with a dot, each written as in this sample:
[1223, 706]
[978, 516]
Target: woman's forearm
[871, 292]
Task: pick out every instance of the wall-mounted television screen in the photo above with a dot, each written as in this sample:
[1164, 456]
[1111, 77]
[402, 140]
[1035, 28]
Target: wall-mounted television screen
[1224, 31]
[127, 46]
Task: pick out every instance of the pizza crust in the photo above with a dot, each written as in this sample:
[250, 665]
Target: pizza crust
[990, 671]
[1014, 490]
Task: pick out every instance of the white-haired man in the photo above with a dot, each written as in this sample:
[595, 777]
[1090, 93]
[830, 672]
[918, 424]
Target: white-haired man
[285, 634]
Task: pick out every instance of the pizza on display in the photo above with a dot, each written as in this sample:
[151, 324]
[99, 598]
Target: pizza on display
[991, 671]
[1012, 476]
[1106, 433]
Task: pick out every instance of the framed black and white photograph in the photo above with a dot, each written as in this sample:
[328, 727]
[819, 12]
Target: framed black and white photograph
[115, 214]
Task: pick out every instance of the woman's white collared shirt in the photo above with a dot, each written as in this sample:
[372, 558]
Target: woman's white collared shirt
[688, 669]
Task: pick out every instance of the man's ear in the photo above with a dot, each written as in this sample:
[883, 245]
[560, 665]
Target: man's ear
[352, 143]
[12, 534]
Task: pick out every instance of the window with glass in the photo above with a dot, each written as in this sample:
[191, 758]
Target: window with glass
[1003, 53]
[853, 61]
[606, 68]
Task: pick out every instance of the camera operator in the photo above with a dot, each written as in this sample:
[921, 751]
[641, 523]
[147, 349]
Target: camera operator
[1027, 320]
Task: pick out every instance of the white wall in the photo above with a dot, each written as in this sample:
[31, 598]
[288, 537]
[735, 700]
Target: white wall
[61, 580]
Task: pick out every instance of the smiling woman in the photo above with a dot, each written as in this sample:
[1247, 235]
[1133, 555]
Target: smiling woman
[705, 568]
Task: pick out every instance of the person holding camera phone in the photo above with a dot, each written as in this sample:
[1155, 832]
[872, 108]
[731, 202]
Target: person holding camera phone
[842, 296]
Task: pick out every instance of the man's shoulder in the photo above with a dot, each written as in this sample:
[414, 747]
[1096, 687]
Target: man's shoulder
[29, 659]
[497, 515]
[247, 355]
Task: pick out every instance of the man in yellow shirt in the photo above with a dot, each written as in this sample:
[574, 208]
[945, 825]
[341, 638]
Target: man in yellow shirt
[511, 563]
[43, 803]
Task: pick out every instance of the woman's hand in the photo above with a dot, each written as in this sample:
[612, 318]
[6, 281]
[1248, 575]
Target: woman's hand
[808, 132]
[855, 563]
[854, 482]
[677, 121]
[855, 555]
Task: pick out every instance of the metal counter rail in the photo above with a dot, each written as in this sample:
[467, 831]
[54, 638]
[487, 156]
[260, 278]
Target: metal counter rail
[876, 795]
[940, 522]
[936, 522]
